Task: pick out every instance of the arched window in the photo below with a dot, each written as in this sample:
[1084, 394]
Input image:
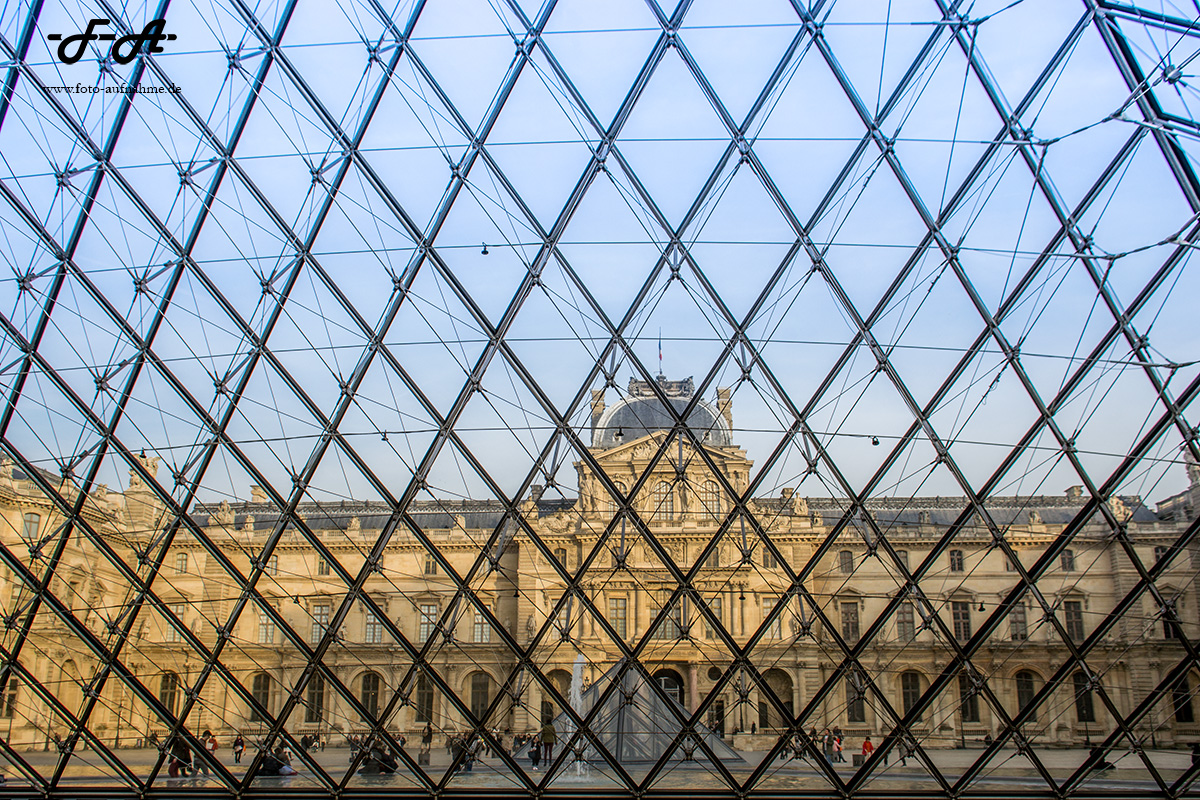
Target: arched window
[846, 562]
[1085, 710]
[1181, 701]
[168, 691]
[664, 501]
[260, 690]
[710, 500]
[481, 694]
[1025, 691]
[424, 698]
[780, 684]
[370, 693]
[315, 709]
[671, 683]
[910, 689]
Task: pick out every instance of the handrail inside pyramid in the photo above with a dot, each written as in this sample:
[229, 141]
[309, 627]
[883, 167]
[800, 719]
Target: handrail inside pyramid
[636, 724]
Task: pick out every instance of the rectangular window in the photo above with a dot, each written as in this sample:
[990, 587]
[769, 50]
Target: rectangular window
[32, 523]
[906, 627]
[617, 611]
[856, 706]
[181, 563]
[563, 619]
[956, 561]
[430, 565]
[481, 632]
[8, 708]
[314, 709]
[424, 699]
[1181, 701]
[910, 690]
[372, 628]
[1009, 564]
[715, 606]
[670, 627]
[272, 566]
[1085, 709]
[1017, 625]
[172, 634]
[902, 557]
[1067, 561]
[961, 613]
[1073, 620]
[850, 621]
[322, 566]
[266, 628]
[664, 502]
[775, 629]
[968, 699]
[769, 560]
[429, 618]
[1170, 626]
[320, 621]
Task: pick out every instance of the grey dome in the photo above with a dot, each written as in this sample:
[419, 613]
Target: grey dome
[636, 417]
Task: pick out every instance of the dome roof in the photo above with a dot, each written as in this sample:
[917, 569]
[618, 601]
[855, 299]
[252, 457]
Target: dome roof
[642, 414]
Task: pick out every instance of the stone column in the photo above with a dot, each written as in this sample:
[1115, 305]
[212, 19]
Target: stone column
[797, 700]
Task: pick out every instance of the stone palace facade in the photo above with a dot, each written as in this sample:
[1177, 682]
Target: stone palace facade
[519, 596]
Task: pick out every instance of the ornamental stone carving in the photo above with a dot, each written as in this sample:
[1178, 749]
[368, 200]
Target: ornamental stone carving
[799, 506]
[224, 515]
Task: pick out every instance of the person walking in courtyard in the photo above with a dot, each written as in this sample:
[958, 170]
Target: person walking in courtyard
[180, 765]
[239, 747]
[549, 738]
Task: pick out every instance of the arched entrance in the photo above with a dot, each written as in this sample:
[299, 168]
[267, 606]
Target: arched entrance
[780, 683]
[671, 683]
